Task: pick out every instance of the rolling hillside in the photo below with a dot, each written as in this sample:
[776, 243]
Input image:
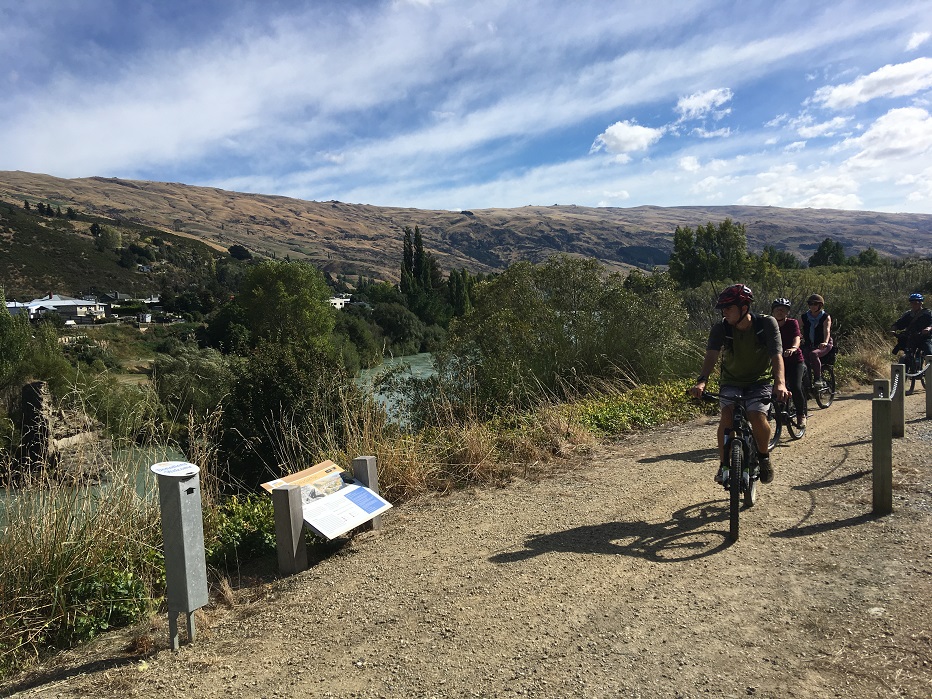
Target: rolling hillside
[361, 239]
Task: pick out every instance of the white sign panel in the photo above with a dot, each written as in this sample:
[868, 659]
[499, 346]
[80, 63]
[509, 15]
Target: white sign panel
[180, 469]
[343, 510]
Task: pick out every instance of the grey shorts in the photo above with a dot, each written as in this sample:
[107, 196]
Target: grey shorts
[759, 395]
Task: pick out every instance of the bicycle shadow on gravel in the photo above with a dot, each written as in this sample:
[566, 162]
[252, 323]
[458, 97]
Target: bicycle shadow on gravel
[696, 456]
[693, 532]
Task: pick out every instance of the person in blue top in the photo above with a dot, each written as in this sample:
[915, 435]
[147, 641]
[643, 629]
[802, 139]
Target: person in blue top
[817, 336]
[915, 325]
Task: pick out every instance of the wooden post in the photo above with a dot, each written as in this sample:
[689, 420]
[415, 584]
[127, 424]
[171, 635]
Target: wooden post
[928, 371]
[882, 448]
[289, 529]
[898, 397]
[366, 472]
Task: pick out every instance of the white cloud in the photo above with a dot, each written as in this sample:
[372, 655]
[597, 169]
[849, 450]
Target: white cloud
[794, 147]
[699, 104]
[826, 128]
[916, 40]
[819, 189]
[625, 137]
[898, 80]
[689, 163]
[899, 135]
[717, 133]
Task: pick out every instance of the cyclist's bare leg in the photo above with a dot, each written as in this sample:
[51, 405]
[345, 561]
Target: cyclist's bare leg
[725, 422]
[760, 428]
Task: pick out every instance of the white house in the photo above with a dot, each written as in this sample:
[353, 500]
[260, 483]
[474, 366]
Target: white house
[67, 307]
[339, 302]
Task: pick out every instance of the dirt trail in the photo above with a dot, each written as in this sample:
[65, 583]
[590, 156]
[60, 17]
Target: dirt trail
[613, 580]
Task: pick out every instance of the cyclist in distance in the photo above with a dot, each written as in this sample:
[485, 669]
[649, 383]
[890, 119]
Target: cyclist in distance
[817, 337]
[917, 324]
[791, 339]
[752, 367]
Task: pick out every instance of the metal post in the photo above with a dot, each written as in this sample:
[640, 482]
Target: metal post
[183, 543]
[289, 529]
[898, 396]
[882, 448]
[366, 472]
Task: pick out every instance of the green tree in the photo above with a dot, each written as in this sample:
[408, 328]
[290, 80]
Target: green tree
[829, 252]
[710, 254]
[238, 252]
[15, 342]
[866, 258]
[287, 302]
[783, 259]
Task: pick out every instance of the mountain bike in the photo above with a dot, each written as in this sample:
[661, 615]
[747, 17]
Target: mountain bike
[740, 472]
[825, 394]
[914, 359]
[782, 416]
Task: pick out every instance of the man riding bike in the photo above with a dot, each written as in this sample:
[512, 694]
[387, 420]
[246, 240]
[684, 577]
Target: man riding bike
[752, 367]
[916, 327]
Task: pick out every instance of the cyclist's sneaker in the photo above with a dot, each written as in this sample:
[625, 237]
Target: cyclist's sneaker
[721, 476]
[818, 383]
[766, 468]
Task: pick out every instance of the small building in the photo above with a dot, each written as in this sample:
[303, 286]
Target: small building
[69, 308]
[340, 302]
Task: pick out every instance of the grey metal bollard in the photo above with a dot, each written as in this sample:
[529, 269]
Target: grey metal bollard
[898, 397]
[289, 529]
[882, 448]
[183, 541]
[365, 470]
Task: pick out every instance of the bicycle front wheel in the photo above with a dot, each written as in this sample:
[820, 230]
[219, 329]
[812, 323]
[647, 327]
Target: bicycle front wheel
[825, 395]
[736, 467]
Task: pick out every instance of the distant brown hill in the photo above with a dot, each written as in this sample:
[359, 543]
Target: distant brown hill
[361, 239]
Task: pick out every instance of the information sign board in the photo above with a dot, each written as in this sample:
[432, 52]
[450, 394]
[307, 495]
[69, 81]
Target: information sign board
[337, 513]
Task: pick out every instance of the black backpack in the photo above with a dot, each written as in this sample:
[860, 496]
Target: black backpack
[760, 327]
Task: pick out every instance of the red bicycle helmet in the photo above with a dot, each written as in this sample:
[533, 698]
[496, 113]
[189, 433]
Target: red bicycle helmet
[737, 295]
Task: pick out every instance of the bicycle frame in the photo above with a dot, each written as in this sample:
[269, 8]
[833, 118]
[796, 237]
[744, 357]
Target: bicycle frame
[738, 446]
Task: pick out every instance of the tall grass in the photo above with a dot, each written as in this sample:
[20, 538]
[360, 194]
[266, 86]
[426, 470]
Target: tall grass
[74, 561]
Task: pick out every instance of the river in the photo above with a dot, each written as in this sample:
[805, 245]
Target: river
[416, 365]
[133, 462]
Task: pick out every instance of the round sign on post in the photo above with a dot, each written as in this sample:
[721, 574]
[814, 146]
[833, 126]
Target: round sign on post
[179, 469]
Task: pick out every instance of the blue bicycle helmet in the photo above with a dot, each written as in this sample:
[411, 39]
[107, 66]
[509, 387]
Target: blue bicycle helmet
[916, 297]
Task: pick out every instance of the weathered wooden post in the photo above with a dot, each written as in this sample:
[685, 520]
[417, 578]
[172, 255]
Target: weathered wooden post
[882, 447]
[366, 472]
[928, 371]
[289, 529]
[898, 398]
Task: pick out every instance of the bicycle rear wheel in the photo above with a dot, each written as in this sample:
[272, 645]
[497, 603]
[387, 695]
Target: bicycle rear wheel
[792, 428]
[824, 396]
[735, 467]
[776, 425]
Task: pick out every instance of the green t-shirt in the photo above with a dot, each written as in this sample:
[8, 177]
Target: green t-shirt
[747, 362]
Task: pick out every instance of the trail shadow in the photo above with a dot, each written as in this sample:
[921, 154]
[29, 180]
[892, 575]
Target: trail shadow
[696, 456]
[841, 480]
[855, 443]
[60, 674]
[687, 536]
[810, 529]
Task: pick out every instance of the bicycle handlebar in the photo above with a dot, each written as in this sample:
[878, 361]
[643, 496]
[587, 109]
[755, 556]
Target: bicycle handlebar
[712, 397]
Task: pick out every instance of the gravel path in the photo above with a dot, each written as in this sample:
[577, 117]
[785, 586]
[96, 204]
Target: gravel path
[611, 579]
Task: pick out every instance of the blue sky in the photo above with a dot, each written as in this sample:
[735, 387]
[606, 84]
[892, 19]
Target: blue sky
[449, 104]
